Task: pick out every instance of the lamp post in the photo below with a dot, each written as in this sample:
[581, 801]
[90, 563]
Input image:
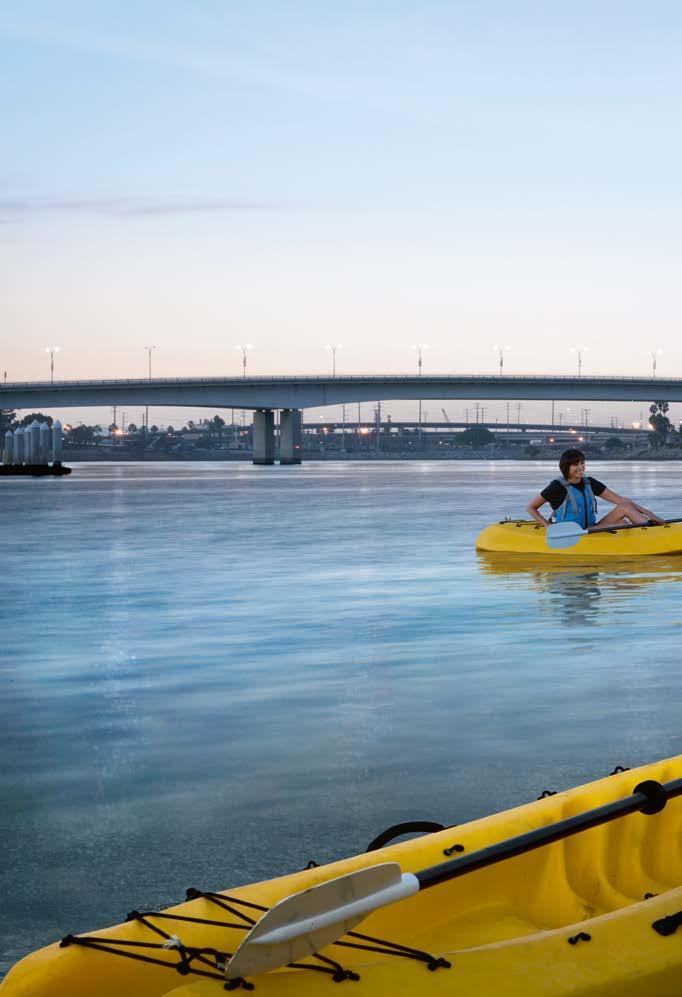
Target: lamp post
[655, 354]
[501, 350]
[580, 350]
[149, 350]
[420, 347]
[52, 350]
[244, 350]
[333, 347]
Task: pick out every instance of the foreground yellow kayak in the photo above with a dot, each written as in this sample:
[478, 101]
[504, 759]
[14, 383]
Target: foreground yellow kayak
[527, 537]
[598, 913]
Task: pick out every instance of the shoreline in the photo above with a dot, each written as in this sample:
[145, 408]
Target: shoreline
[97, 455]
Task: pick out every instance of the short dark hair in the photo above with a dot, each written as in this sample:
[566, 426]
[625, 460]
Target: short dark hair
[568, 458]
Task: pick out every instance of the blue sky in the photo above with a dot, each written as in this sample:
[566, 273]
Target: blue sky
[374, 174]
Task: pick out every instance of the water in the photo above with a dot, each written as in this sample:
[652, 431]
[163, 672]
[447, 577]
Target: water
[214, 673]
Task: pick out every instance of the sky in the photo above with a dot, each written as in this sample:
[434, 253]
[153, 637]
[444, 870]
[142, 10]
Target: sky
[374, 174]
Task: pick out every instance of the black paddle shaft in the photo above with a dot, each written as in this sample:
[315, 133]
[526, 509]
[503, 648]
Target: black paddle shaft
[649, 797]
[629, 526]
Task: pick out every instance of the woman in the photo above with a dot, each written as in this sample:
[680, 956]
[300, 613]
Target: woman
[573, 498]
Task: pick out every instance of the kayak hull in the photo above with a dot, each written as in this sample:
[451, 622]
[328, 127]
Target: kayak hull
[572, 918]
[524, 537]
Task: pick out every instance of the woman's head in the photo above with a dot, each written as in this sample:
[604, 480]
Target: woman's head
[569, 459]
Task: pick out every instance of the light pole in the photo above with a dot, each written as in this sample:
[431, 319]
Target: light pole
[420, 347]
[501, 350]
[655, 354]
[244, 350]
[52, 350]
[149, 350]
[580, 350]
[334, 347]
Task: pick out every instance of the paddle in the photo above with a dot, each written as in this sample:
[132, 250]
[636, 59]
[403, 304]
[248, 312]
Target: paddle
[561, 535]
[306, 922]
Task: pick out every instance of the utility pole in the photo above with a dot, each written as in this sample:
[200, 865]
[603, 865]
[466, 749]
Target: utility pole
[146, 408]
[420, 347]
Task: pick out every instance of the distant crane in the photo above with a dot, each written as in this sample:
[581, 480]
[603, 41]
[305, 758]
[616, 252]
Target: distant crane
[445, 416]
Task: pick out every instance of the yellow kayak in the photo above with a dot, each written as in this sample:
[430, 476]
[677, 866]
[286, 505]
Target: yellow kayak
[527, 537]
[598, 913]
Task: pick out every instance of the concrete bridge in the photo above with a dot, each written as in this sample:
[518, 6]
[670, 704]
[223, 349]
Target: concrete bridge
[292, 394]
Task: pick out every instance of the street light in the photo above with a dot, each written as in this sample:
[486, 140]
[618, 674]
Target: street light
[52, 350]
[580, 350]
[149, 352]
[334, 347]
[501, 350]
[420, 347]
[655, 354]
[244, 350]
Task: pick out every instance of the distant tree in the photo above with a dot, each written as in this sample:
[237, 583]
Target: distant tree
[614, 443]
[660, 423]
[190, 425]
[170, 431]
[216, 425]
[7, 418]
[154, 429]
[132, 428]
[477, 436]
[113, 427]
[38, 416]
[80, 435]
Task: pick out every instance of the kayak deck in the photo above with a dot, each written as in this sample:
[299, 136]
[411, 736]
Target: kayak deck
[527, 537]
[576, 917]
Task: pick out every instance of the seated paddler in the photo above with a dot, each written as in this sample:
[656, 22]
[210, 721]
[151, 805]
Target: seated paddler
[573, 498]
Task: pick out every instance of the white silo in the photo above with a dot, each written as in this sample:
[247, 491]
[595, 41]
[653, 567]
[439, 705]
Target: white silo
[28, 445]
[34, 429]
[45, 437]
[19, 446]
[56, 440]
[8, 455]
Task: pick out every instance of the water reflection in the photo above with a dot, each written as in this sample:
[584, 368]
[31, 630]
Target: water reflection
[580, 592]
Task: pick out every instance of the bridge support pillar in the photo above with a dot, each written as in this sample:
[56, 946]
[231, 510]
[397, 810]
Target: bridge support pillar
[264, 436]
[290, 442]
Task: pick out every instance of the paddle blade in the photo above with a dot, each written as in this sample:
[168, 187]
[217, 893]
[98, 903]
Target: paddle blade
[560, 535]
[304, 923]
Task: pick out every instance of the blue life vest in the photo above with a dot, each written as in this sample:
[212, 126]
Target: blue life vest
[578, 507]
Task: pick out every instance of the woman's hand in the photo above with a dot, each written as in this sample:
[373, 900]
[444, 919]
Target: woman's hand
[532, 510]
[651, 515]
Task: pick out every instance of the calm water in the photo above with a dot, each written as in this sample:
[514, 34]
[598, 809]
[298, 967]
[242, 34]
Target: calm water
[214, 673]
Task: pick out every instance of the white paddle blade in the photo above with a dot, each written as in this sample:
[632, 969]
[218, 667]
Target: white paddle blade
[304, 923]
[560, 535]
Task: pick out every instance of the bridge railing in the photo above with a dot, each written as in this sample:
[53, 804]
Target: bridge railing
[379, 379]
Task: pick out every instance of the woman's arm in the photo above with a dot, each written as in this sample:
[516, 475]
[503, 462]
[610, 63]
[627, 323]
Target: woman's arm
[533, 507]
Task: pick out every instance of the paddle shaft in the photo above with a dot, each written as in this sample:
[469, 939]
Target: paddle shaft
[627, 526]
[522, 843]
